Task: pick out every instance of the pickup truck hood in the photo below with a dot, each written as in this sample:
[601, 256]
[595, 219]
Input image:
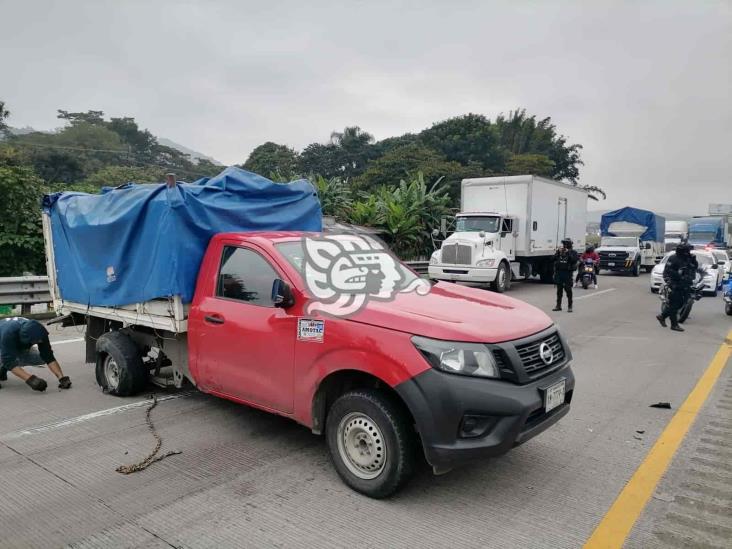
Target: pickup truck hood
[456, 313]
[617, 249]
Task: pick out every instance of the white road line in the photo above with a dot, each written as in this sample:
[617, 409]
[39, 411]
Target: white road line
[86, 417]
[595, 294]
[61, 342]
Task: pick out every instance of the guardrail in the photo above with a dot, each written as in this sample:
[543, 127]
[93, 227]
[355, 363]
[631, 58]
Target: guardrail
[419, 267]
[24, 291]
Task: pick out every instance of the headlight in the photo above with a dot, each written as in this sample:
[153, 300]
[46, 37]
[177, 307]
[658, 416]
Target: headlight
[434, 258]
[485, 263]
[631, 255]
[467, 359]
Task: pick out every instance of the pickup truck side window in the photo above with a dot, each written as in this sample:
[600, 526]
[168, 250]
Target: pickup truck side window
[245, 275]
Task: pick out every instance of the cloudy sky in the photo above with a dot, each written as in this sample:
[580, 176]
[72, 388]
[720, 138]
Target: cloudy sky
[646, 87]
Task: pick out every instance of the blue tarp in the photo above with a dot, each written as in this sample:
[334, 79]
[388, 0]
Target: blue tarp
[139, 242]
[655, 224]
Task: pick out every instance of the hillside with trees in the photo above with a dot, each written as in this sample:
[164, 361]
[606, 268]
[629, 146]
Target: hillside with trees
[402, 185]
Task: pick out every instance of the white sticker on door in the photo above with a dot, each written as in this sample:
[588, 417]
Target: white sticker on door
[310, 330]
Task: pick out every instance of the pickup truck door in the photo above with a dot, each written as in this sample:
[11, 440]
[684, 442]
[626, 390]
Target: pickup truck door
[245, 345]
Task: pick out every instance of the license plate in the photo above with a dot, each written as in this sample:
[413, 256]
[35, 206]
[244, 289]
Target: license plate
[554, 396]
[611, 264]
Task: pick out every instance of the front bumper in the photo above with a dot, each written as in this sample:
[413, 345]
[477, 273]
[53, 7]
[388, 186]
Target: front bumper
[656, 281]
[512, 414]
[462, 273]
[621, 265]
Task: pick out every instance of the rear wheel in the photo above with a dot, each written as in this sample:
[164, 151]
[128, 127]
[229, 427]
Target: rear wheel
[585, 282]
[684, 313]
[371, 442]
[728, 308]
[502, 282]
[119, 368]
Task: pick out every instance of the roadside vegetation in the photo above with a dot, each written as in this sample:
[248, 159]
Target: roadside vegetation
[402, 185]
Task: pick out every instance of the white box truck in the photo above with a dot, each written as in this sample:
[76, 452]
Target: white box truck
[676, 232]
[510, 227]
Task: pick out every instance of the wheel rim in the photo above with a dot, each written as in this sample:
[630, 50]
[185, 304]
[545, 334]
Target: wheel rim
[111, 372]
[361, 445]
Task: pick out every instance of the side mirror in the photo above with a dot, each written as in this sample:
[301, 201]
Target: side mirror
[282, 294]
[481, 234]
[715, 266]
[648, 245]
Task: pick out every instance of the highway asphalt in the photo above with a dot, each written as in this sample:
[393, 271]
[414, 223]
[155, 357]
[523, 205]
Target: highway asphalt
[249, 479]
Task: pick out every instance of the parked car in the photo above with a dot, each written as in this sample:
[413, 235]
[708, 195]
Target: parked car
[725, 264]
[707, 262]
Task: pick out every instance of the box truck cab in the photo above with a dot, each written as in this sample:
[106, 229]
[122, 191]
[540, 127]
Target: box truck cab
[509, 227]
[631, 240]
[711, 230]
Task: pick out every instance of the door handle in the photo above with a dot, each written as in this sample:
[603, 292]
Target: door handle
[214, 319]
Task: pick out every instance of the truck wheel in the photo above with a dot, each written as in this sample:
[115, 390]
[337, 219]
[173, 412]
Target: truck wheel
[371, 442]
[502, 282]
[636, 268]
[119, 367]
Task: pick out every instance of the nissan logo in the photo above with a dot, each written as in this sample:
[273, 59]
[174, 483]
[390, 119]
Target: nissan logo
[545, 353]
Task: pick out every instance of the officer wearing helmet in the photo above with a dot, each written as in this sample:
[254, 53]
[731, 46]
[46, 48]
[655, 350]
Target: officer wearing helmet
[678, 275]
[565, 262]
[18, 336]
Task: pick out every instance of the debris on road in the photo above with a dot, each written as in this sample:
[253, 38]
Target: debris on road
[664, 405]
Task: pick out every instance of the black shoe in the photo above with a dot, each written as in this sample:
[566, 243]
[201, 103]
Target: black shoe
[557, 308]
[661, 321]
[64, 382]
[36, 383]
[677, 328]
[569, 309]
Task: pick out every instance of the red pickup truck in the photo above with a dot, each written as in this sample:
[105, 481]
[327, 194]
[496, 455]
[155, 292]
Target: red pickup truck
[460, 373]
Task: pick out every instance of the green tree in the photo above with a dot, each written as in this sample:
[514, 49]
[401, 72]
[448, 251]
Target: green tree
[21, 233]
[354, 145]
[272, 158]
[468, 139]
[405, 161]
[334, 194]
[4, 114]
[325, 160]
[532, 164]
[112, 176]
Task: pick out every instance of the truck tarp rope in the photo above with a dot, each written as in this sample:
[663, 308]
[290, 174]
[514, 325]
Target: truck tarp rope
[152, 457]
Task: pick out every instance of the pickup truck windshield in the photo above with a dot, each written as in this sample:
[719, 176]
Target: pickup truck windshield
[294, 253]
[477, 224]
[619, 241]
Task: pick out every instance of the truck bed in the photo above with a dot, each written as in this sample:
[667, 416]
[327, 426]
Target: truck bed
[169, 314]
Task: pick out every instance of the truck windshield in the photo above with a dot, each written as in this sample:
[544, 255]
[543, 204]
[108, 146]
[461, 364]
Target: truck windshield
[626, 241]
[294, 253]
[477, 224]
[702, 236]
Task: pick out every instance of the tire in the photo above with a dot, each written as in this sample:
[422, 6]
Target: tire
[636, 269]
[502, 283]
[728, 308]
[684, 313]
[585, 283]
[119, 367]
[546, 273]
[378, 424]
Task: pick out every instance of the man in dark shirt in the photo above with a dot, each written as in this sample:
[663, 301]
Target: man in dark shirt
[565, 262]
[17, 337]
[678, 275]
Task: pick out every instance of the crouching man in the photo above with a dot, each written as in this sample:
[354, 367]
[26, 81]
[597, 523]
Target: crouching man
[17, 337]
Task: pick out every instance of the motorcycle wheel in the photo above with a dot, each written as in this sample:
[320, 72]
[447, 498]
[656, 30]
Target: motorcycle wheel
[684, 313]
[585, 283]
[728, 308]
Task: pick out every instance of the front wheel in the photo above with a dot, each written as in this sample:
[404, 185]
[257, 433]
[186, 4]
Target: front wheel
[502, 282]
[728, 308]
[636, 269]
[371, 442]
[585, 282]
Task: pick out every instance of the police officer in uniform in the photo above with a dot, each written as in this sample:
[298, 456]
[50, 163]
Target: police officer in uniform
[678, 275]
[565, 262]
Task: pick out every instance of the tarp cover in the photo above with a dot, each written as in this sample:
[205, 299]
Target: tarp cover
[139, 242]
[655, 224]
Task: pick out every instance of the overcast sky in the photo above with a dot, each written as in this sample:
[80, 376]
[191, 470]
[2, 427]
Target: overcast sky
[645, 87]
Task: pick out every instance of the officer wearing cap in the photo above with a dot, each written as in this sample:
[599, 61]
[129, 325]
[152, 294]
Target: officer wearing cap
[18, 336]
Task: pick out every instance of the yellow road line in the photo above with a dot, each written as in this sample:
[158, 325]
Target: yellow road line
[619, 520]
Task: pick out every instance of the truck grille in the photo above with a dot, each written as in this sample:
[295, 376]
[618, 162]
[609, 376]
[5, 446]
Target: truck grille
[613, 256]
[534, 365]
[456, 254]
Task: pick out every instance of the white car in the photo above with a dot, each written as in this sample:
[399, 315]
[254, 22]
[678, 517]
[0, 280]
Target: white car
[713, 273]
[724, 262]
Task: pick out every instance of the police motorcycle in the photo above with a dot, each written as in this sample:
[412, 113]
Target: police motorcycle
[727, 296]
[587, 273]
[695, 294]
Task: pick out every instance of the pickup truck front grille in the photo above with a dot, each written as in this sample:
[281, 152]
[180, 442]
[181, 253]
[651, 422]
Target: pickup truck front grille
[531, 355]
[456, 254]
[613, 256]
